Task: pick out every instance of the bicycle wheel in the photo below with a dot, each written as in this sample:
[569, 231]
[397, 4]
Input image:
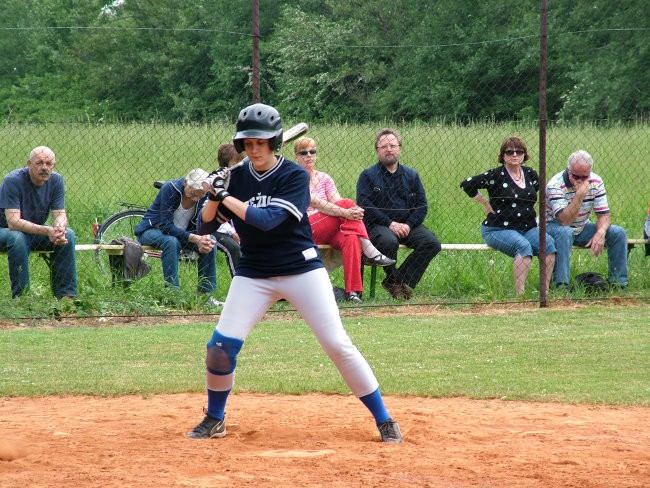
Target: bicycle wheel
[120, 224]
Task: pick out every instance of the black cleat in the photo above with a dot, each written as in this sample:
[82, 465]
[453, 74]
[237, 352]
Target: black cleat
[208, 429]
[390, 432]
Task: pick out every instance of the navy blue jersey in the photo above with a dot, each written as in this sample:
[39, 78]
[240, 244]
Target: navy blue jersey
[288, 248]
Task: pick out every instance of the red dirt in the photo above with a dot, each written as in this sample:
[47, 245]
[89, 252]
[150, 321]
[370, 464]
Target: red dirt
[320, 440]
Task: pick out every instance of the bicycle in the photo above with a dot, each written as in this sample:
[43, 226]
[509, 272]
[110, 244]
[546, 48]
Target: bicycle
[123, 224]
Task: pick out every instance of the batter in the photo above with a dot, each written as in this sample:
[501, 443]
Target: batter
[267, 198]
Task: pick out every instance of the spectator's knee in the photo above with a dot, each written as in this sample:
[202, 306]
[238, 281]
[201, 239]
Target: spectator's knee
[17, 240]
[71, 236]
[563, 233]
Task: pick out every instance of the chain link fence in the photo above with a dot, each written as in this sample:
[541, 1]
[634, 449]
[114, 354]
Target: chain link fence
[110, 165]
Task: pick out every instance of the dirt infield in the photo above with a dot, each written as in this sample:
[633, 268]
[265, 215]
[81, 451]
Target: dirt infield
[320, 440]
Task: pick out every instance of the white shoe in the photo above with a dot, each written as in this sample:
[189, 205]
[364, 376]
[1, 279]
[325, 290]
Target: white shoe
[213, 302]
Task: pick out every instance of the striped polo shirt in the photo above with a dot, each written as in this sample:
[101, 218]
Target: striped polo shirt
[560, 193]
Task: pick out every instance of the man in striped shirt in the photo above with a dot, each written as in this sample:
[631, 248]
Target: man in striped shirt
[571, 197]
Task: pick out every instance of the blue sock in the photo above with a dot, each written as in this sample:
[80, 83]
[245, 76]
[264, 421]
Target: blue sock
[217, 403]
[375, 404]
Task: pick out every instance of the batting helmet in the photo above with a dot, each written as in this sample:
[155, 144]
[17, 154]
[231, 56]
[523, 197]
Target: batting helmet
[258, 121]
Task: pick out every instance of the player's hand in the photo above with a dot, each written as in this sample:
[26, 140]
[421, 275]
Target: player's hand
[220, 179]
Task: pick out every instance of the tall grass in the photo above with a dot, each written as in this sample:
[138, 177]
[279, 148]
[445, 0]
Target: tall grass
[107, 164]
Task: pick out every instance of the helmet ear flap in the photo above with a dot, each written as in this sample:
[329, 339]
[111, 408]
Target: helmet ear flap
[239, 145]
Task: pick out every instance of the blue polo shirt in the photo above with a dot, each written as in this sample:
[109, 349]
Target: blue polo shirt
[34, 202]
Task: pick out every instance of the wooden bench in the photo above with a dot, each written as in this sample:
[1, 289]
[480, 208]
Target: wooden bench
[331, 257]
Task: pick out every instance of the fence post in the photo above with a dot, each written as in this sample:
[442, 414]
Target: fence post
[255, 75]
[543, 49]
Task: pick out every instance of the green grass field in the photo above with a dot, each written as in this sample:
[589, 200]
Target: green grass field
[107, 164]
[595, 354]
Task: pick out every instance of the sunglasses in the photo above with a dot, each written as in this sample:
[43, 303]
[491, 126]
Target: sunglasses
[304, 153]
[580, 177]
[514, 152]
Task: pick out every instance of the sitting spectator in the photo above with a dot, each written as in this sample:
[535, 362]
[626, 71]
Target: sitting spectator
[227, 238]
[571, 197]
[27, 196]
[395, 205]
[170, 225]
[338, 222]
[510, 225]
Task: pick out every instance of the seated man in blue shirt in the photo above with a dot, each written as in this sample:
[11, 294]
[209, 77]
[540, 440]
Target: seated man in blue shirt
[395, 207]
[27, 196]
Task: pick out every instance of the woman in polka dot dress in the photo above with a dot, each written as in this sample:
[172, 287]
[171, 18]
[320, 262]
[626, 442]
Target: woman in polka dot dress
[510, 225]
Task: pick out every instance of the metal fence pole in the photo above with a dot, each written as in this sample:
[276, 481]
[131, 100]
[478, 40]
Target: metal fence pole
[543, 49]
[255, 75]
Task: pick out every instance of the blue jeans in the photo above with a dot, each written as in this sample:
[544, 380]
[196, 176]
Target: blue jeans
[63, 265]
[513, 241]
[615, 240]
[171, 250]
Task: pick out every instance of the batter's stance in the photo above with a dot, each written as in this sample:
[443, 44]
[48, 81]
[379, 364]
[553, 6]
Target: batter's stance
[267, 198]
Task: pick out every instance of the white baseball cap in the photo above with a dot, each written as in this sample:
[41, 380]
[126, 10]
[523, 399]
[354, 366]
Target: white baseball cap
[196, 178]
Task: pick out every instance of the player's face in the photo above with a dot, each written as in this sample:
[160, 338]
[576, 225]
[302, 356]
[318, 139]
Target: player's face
[260, 153]
[307, 157]
[40, 167]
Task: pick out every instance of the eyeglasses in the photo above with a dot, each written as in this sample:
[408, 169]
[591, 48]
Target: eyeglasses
[579, 177]
[387, 146]
[514, 152]
[304, 153]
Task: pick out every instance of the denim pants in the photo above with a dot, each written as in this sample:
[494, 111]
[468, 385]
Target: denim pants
[63, 264]
[171, 249]
[513, 241]
[615, 240]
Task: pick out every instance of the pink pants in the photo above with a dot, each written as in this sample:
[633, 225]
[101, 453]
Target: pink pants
[342, 234]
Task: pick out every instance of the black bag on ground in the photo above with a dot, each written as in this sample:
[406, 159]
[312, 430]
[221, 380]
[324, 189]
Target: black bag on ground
[591, 283]
[339, 293]
[128, 266]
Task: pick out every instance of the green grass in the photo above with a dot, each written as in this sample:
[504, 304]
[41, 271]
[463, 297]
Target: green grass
[596, 354]
[107, 164]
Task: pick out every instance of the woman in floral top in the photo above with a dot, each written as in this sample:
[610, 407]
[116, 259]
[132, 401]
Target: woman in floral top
[510, 225]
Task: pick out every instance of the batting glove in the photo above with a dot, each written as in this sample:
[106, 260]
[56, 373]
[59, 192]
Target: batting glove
[220, 179]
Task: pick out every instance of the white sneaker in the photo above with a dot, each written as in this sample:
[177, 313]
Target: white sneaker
[213, 302]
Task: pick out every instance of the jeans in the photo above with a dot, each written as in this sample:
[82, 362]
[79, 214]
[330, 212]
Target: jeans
[425, 246]
[63, 264]
[171, 249]
[615, 240]
[513, 242]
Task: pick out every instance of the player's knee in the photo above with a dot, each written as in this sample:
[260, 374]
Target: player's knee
[221, 356]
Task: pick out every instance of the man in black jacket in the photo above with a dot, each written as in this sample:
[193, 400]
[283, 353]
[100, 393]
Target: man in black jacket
[395, 207]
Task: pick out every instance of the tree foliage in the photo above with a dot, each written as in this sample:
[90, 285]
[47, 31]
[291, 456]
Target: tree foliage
[322, 60]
